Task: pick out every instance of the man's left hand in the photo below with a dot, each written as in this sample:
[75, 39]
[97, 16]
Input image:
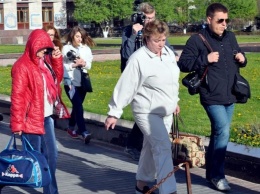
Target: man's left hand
[240, 57]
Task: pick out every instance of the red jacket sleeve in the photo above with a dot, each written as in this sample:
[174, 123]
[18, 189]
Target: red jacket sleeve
[19, 84]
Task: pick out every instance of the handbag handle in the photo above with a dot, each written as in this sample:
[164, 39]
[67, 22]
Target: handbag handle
[176, 131]
[175, 125]
[12, 140]
[25, 143]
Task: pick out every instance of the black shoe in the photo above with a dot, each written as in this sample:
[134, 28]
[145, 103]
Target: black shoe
[86, 137]
[134, 153]
[145, 190]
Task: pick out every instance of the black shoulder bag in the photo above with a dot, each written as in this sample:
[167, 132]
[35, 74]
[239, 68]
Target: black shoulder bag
[85, 81]
[193, 81]
[241, 88]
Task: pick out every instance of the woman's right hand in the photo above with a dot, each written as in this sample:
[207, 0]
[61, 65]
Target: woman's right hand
[110, 122]
[80, 62]
[178, 110]
[18, 132]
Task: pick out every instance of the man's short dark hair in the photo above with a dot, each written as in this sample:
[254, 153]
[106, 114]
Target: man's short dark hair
[215, 7]
[146, 7]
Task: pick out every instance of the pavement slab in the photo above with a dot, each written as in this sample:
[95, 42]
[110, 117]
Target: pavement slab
[104, 168]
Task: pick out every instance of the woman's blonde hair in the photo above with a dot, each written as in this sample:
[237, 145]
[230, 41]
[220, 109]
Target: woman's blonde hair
[155, 27]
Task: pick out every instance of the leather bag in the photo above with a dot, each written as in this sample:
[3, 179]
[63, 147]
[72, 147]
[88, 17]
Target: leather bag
[241, 88]
[26, 167]
[85, 82]
[193, 80]
[186, 147]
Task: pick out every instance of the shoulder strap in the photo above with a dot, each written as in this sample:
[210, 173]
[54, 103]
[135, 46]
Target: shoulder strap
[206, 43]
[51, 70]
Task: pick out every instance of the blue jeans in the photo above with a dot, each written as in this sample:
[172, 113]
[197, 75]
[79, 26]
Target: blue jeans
[77, 113]
[220, 117]
[47, 145]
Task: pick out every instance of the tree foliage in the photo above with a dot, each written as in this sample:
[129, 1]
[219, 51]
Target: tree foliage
[101, 10]
[164, 9]
[240, 8]
[180, 11]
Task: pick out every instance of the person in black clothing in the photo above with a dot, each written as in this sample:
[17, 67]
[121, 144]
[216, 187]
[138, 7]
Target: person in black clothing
[131, 41]
[215, 91]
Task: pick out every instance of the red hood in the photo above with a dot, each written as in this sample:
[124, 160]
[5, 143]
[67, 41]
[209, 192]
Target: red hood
[37, 40]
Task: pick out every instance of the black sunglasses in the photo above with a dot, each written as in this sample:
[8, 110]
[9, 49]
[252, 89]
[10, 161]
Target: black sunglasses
[220, 21]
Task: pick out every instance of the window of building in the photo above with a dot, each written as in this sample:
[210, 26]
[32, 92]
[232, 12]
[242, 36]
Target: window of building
[1, 15]
[47, 14]
[22, 15]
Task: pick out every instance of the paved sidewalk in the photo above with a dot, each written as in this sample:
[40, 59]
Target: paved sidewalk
[105, 169]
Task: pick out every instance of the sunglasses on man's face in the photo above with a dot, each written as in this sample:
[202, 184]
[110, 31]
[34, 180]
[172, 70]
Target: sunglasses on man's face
[220, 21]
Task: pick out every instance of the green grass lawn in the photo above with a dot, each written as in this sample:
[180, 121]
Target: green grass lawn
[104, 75]
[173, 39]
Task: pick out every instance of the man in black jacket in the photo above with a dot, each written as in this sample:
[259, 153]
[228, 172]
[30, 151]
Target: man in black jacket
[216, 89]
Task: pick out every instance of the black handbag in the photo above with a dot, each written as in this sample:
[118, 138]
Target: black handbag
[85, 82]
[192, 80]
[241, 88]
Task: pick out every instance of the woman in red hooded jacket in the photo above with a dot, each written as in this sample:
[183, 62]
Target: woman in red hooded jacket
[34, 92]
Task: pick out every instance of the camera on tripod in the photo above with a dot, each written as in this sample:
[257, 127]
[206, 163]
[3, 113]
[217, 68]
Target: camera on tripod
[72, 55]
[138, 17]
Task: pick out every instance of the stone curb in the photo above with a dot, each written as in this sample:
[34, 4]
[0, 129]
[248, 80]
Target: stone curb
[241, 161]
[126, 126]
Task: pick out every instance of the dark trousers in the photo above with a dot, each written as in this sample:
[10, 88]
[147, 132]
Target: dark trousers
[77, 113]
[135, 138]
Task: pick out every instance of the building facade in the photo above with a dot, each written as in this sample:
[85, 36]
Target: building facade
[19, 17]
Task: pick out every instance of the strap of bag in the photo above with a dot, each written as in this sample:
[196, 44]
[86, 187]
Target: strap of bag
[12, 140]
[25, 143]
[52, 72]
[206, 43]
[54, 78]
[176, 126]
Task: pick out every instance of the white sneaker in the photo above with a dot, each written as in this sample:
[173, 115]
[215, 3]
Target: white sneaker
[221, 184]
